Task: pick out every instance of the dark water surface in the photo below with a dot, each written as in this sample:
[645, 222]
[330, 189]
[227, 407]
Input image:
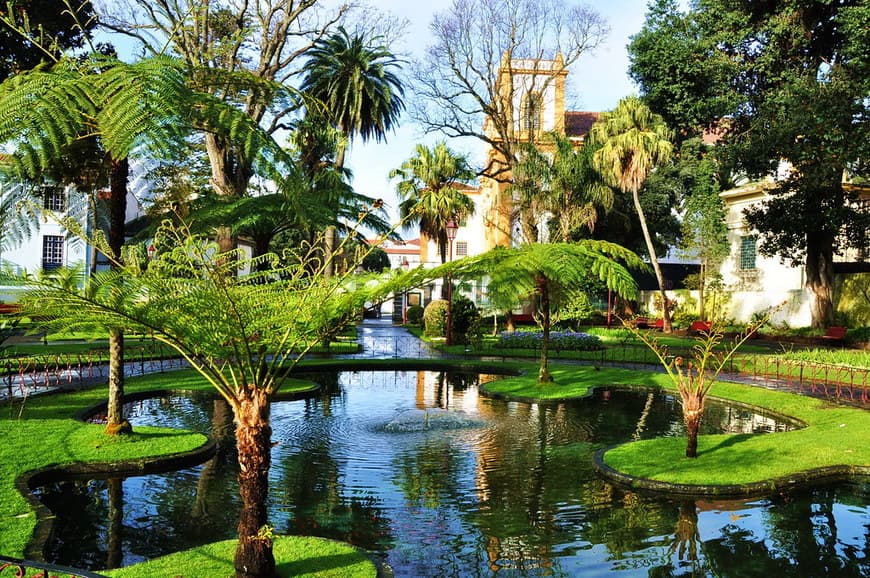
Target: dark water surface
[506, 490]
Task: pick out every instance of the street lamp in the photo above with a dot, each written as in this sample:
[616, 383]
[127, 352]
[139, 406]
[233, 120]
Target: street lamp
[451, 227]
[152, 250]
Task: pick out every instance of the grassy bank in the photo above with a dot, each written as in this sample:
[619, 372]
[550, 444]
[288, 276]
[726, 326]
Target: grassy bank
[42, 432]
[295, 556]
[834, 436]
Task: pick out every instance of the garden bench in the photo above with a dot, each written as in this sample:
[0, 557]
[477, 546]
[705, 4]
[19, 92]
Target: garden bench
[699, 327]
[658, 324]
[641, 322]
[835, 335]
[9, 309]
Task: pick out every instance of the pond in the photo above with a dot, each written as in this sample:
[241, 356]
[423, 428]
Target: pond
[499, 488]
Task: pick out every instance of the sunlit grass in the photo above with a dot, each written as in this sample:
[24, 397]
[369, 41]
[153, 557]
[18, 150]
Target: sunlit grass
[296, 556]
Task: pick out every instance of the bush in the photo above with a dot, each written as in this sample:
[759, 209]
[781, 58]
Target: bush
[435, 318]
[563, 340]
[414, 314]
[465, 319]
[858, 335]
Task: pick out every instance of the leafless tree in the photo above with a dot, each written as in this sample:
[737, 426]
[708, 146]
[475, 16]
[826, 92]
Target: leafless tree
[460, 86]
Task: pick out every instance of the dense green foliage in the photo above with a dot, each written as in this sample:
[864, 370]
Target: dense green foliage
[415, 314]
[57, 25]
[465, 320]
[435, 318]
[782, 83]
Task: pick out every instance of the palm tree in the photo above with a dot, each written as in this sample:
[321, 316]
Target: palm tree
[352, 80]
[130, 106]
[633, 142]
[563, 185]
[550, 272]
[429, 197]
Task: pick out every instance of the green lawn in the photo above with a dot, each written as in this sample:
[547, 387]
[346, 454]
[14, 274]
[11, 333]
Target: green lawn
[295, 556]
[834, 435]
[43, 433]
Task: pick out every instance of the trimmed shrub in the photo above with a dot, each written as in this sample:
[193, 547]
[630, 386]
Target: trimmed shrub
[465, 319]
[415, 315]
[435, 318]
[563, 340]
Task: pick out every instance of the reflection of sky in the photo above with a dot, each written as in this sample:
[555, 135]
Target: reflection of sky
[508, 498]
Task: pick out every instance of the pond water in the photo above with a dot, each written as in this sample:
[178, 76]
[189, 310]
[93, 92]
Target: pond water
[506, 490]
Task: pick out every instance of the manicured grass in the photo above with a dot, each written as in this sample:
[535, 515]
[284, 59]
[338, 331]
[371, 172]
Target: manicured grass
[834, 436]
[43, 433]
[296, 556]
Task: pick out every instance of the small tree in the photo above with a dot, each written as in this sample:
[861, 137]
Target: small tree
[548, 273]
[241, 333]
[695, 377]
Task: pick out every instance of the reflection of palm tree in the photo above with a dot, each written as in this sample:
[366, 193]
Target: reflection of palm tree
[686, 537]
[222, 433]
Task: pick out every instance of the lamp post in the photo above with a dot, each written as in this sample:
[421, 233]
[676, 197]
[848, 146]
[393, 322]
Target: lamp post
[451, 227]
[152, 250]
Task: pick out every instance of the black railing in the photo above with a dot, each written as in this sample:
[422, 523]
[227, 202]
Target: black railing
[31, 569]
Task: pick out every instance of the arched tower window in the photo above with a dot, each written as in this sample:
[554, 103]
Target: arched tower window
[532, 111]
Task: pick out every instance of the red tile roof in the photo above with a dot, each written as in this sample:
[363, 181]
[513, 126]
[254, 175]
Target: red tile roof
[578, 123]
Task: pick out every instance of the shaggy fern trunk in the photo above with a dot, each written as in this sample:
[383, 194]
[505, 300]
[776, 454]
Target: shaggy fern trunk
[115, 422]
[693, 411]
[254, 557]
[544, 293]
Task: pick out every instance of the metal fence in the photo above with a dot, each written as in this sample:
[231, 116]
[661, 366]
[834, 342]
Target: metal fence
[31, 569]
[26, 376]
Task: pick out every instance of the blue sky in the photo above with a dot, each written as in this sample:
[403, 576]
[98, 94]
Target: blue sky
[598, 80]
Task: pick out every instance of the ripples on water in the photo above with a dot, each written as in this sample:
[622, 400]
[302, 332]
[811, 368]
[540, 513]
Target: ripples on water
[514, 495]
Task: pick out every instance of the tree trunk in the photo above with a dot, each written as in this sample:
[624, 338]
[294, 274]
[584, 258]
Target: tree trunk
[702, 281]
[115, 422]
[544, 294]
[329, 243]
[820, 279]
[666, 314]
[230, 174]
[254, 557]
[693, 411]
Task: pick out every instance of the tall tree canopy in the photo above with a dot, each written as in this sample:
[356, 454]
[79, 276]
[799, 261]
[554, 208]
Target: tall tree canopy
[789, 84]
[562, 187]
[459, 89]
[49, 26]
[429, 194]
[633, 141]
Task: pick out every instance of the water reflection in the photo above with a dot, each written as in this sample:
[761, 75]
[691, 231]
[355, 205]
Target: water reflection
[514, 495]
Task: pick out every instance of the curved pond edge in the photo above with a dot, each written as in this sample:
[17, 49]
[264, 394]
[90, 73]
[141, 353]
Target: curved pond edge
[26, 482]
[800, 480]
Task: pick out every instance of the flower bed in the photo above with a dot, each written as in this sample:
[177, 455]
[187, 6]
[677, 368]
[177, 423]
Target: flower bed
[561, 340]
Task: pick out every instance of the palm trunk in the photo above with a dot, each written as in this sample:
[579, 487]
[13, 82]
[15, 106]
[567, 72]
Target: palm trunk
[702, 281]
[254, 557]
[115, 422]
[666, 314]
[544, 293]
[693, 411]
